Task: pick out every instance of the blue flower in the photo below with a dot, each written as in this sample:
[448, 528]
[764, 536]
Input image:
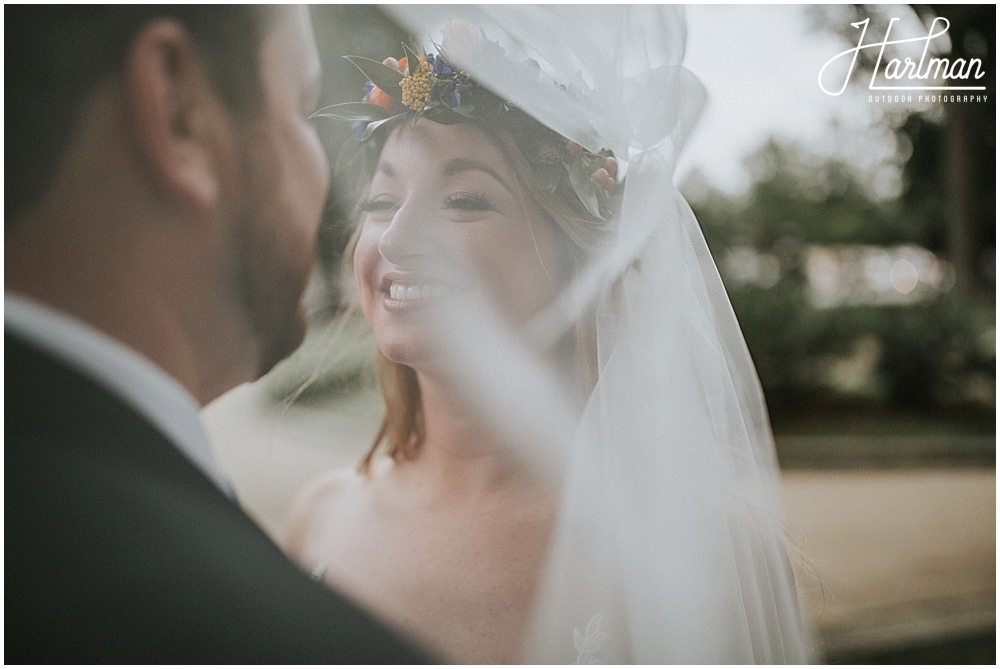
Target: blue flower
[455, 91]
[440, 66]
[359, 130]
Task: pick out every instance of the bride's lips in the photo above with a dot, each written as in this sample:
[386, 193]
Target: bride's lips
[408, 292]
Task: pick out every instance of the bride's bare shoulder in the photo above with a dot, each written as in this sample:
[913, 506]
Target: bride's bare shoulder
[322, 490]
[323, 493]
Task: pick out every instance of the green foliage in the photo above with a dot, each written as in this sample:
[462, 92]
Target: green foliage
[934, 353]
[797, 196]
[352, 111]
[385, 77]
[930, 354]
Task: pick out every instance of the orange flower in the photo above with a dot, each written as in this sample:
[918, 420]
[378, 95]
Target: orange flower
[382, 99]
[403, 64]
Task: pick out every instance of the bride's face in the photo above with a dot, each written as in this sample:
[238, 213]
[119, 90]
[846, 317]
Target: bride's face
[444, 215]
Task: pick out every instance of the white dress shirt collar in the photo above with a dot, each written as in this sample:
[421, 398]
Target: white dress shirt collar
[129, 375]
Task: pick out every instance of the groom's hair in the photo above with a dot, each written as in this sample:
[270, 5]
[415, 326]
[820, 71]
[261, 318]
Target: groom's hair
[55, 55]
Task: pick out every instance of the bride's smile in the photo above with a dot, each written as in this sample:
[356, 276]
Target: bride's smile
[406, 291]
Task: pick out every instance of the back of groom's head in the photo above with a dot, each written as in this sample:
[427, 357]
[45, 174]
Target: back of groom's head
[56, 54]
[163, 181]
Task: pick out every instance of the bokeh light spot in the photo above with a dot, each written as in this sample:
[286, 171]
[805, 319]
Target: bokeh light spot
[903, 276]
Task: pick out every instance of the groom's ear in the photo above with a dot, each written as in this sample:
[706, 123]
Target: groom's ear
[181, 126]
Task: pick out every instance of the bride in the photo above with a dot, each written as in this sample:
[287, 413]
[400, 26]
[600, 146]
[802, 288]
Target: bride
[575, 463]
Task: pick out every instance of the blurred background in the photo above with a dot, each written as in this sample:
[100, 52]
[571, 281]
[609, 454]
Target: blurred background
[857, 240]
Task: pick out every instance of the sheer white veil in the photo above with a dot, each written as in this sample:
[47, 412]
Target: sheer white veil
[670, 546]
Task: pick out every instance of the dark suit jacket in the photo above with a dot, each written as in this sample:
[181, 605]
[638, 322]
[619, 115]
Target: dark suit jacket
[118, 549]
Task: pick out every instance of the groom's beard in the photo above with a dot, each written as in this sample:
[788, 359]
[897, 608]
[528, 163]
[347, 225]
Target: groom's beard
[274, 259]
[272, 296]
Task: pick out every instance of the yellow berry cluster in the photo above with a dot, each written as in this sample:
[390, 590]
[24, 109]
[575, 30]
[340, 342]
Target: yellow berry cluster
[417, 87]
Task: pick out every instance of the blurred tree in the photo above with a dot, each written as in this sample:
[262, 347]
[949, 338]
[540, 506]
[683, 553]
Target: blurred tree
[799, 198]
[924, 355]
[965, 169]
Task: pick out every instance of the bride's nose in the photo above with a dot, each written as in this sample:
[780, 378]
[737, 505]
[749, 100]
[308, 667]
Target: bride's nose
[410, 235]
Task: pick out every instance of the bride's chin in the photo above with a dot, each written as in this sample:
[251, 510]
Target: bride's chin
[409, 353]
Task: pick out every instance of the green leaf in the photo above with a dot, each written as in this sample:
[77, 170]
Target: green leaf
[375, 125]
[381, 75]
[465, 110]
[411, 59]
[587, 192]
[446, 116]
[352, 111]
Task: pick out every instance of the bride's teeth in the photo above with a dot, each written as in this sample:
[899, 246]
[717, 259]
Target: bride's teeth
[401, 292]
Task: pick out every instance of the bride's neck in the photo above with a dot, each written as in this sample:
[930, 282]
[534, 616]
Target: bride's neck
[460, 450]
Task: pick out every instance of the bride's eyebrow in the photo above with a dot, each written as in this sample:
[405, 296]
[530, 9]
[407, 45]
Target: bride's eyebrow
[459, 165]
[385, 168]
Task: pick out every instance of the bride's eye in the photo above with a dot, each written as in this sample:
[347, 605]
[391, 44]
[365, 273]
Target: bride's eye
[378, 204]
[470, 202]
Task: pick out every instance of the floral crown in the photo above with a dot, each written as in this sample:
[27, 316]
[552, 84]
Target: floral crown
[436, 90]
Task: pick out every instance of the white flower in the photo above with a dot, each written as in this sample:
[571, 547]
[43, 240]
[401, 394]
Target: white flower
[461, 41]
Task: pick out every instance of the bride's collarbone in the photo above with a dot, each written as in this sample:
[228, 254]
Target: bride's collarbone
[457, 572]
[376, 516]
[408, 489]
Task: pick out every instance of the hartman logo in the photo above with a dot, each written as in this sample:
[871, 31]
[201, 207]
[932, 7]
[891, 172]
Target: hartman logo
[911, 75]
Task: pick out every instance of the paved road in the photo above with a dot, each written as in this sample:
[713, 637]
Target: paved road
[895, 555]
[899, 555]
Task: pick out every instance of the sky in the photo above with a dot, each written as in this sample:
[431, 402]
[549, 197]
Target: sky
[760, 65]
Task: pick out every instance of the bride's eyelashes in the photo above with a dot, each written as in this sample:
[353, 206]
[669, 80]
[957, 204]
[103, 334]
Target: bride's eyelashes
[464, 201]
[467, 201]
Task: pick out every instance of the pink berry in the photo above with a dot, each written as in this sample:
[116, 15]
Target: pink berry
[602, 179]
[611, 165]
[574, 148]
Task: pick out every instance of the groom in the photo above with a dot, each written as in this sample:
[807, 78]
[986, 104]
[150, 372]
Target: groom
[162, 192]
